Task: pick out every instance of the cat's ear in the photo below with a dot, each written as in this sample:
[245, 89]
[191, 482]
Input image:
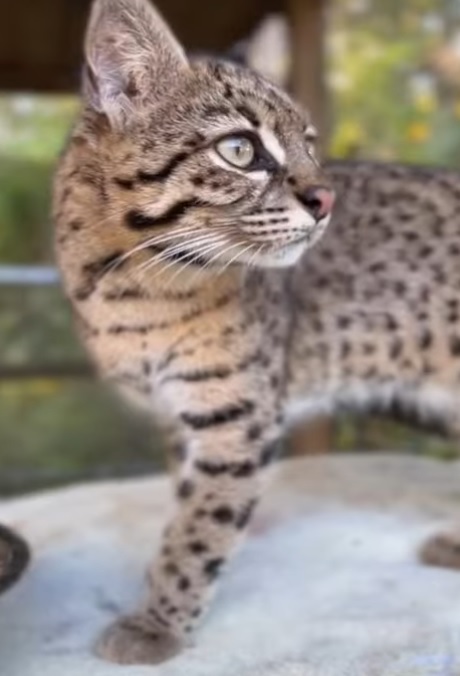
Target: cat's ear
[268, 50]
[131, 57]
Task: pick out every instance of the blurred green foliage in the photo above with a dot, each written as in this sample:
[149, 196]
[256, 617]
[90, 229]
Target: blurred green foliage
[51, 430]
[394, 77]
[394, 72]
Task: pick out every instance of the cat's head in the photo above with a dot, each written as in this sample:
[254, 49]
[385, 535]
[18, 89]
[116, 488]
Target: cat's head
[204, 162]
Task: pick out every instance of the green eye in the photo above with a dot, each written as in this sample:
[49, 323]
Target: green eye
[236, 150]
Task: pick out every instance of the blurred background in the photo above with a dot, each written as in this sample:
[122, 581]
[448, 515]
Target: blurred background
[382, 78]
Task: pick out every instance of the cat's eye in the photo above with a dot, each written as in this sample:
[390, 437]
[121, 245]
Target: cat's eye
[237, 150]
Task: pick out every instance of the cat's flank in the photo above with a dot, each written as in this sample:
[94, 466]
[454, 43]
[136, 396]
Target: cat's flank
[184, 203]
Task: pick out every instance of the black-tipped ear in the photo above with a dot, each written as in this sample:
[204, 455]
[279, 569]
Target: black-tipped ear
[131, 56]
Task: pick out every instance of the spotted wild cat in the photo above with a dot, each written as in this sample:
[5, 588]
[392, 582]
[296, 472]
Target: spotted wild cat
[185, 192]
[184, 202]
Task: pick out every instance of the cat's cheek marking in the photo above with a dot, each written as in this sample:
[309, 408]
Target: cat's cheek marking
[273, 145]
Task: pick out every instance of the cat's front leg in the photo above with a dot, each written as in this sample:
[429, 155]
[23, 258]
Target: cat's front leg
[219, 484]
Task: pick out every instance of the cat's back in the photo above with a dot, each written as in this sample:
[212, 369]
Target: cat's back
[378, 299]
[395, 228]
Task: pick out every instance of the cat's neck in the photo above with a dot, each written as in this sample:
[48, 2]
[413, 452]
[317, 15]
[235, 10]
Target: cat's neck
[178, 280]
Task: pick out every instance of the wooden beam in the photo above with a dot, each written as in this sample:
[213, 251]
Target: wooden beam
[41, 40]
[307, 24]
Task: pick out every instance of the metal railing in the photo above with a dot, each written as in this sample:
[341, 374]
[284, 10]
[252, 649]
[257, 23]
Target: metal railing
[37, 276]
[28, 275]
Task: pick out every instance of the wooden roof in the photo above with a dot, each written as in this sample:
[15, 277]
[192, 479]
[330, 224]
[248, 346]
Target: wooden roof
[40, 40]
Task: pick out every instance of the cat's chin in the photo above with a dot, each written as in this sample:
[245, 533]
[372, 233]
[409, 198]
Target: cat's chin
[289, 254]
[280, 257]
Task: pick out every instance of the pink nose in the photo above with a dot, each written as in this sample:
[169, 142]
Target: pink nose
[318, 201]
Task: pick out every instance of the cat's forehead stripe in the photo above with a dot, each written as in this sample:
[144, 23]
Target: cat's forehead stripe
[272, 144]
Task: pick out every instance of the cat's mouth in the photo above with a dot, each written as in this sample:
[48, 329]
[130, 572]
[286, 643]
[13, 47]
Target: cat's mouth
[280, 249]
[260, 247]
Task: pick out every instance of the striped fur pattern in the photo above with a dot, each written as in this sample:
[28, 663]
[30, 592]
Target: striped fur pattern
[176, 260]
[193, 296]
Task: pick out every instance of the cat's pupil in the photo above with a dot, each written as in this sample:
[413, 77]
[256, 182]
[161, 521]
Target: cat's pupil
[240, 148]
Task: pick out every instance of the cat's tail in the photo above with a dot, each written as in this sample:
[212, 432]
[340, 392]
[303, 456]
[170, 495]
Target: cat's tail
[14, 558]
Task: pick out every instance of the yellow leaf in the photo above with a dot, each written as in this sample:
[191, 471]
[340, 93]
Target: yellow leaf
[418, 132]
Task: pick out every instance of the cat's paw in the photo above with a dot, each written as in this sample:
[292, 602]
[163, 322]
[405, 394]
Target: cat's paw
[442, 550]
[134, 640]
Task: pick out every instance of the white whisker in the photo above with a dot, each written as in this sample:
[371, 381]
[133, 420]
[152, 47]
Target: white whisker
[216, 257]
[187, 248]
[235, 258]
[177, 248]
[189, 263]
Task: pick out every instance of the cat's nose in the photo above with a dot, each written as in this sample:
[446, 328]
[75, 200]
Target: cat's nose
[318, 201]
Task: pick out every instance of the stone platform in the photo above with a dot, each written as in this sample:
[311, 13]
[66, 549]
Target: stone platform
[328, 585]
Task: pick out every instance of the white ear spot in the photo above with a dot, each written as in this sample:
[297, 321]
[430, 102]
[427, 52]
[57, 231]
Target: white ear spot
[272, 144]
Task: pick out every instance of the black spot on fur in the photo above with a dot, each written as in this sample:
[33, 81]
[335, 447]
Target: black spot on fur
[186, 489]
[212, 568]
[254, 432]
[238, 470]
[454, 344]
[245, 514]
[241, 470]
[118, 329]
[426, 251]
[228, 93]
[171, 569]
[425, 340]
[343, 322]
[270, 452]
[198, 548]
[183, 584]
[223, 514]
[124, 183]
[396, 347]
[76, 225]
[379, 266]
[218, 416]
[345, 349]
[369, 348]
[213, 468]
[400, 288]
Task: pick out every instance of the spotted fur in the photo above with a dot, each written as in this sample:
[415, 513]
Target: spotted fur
[191, 294]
